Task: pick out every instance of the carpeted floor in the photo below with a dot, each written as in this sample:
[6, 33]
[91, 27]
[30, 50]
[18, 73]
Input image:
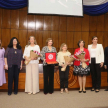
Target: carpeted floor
[55, 100]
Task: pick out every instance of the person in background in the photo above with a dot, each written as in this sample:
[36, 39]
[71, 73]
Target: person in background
[78, 69]
[13, 63]
[32, 69]
[2, 65]
[63, 74]
[48, 70]
[96, 62]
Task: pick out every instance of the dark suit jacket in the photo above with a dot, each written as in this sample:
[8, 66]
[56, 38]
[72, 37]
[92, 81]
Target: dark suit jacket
[106, 57]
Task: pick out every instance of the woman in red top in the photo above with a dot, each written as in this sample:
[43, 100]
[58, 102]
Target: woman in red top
[78, 69]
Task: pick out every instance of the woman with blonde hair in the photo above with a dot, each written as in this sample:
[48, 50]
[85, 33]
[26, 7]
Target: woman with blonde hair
[63, 74]
[48, 70]
[32, 69]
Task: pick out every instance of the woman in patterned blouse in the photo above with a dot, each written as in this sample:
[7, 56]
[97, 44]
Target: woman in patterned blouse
[48, 70]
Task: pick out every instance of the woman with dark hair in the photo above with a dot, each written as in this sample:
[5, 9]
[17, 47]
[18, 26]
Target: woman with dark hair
[78, 69]
[48, 70]
[2, 64]
[13, 63]
[96, 62]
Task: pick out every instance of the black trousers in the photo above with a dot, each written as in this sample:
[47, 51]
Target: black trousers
[13, 75]
[95, 73]
[64, 77]
[48, 72]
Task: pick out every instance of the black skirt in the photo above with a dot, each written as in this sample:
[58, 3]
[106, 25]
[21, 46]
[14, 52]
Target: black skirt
[79, 70]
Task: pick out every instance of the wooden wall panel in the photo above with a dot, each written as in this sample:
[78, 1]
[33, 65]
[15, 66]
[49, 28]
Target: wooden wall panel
[85, 23]
[22, 19]
[100, 37]
[77, 37]
[54, 36]
[78, 23]
[14, 19]
[85, 37]
[70, 23]
[14, 33]
[93, 23]
[100, 23]
[46, 35]
[39, 22]
[105, 39]
[23, 37]
[62, 24]
[6, 37]
[39, 38]
[55, 23]
[31, 22]
[70, 39]
[62, 38]
[0, 18]
[91, 34]
[106, 22]
[6, 18]
[47, 22]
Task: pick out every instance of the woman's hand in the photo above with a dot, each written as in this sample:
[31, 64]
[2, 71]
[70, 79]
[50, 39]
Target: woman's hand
[105, 66]
[21, 67]
[6, 67]
[101, 64]
[44, 60]
[63, 65]
[82, 60]
[68, 63]
[36, 58]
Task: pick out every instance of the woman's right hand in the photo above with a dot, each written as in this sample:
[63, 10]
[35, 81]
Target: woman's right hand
[44, 60]
[6, 67]
[62, 65]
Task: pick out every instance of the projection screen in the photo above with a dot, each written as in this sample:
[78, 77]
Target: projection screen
[58, 7]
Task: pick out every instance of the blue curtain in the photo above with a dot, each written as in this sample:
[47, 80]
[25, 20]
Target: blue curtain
[96, 10]
[13, 4]
[90, 10]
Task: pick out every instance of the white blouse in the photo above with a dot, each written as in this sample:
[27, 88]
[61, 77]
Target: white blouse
[93, 53]
[27, 52]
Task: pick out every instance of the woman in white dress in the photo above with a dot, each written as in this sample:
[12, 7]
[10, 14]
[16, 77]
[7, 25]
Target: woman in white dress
[32, 69]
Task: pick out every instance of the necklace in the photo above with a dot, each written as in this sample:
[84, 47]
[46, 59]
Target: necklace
[15, 52]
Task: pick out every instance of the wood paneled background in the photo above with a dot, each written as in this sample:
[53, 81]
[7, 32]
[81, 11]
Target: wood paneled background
[62, 29]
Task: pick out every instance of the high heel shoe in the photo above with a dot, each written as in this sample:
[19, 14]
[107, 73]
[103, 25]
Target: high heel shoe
[66, 90]
[97, 90]
[84, 91]
[92, 89]
[61, 91]
[80, 91]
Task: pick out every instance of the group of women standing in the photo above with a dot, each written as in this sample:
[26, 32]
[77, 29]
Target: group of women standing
[94, 58]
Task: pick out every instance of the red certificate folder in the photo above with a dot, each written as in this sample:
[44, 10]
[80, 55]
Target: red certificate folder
[50, 58]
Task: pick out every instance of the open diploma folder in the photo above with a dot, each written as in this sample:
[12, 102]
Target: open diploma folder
[50, 58]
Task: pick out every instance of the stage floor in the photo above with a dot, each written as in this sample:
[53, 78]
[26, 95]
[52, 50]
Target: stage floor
[55, 100]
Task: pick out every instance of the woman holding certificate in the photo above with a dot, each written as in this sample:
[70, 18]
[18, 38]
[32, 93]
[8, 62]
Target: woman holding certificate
[48, 70]
[96, 62]
[63, 74]
[32, 68]
[13, 63]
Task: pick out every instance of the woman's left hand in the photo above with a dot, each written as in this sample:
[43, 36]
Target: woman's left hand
[35, 58]
[21, 67]
[68, 63]
[101, 64]
[82, 60]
